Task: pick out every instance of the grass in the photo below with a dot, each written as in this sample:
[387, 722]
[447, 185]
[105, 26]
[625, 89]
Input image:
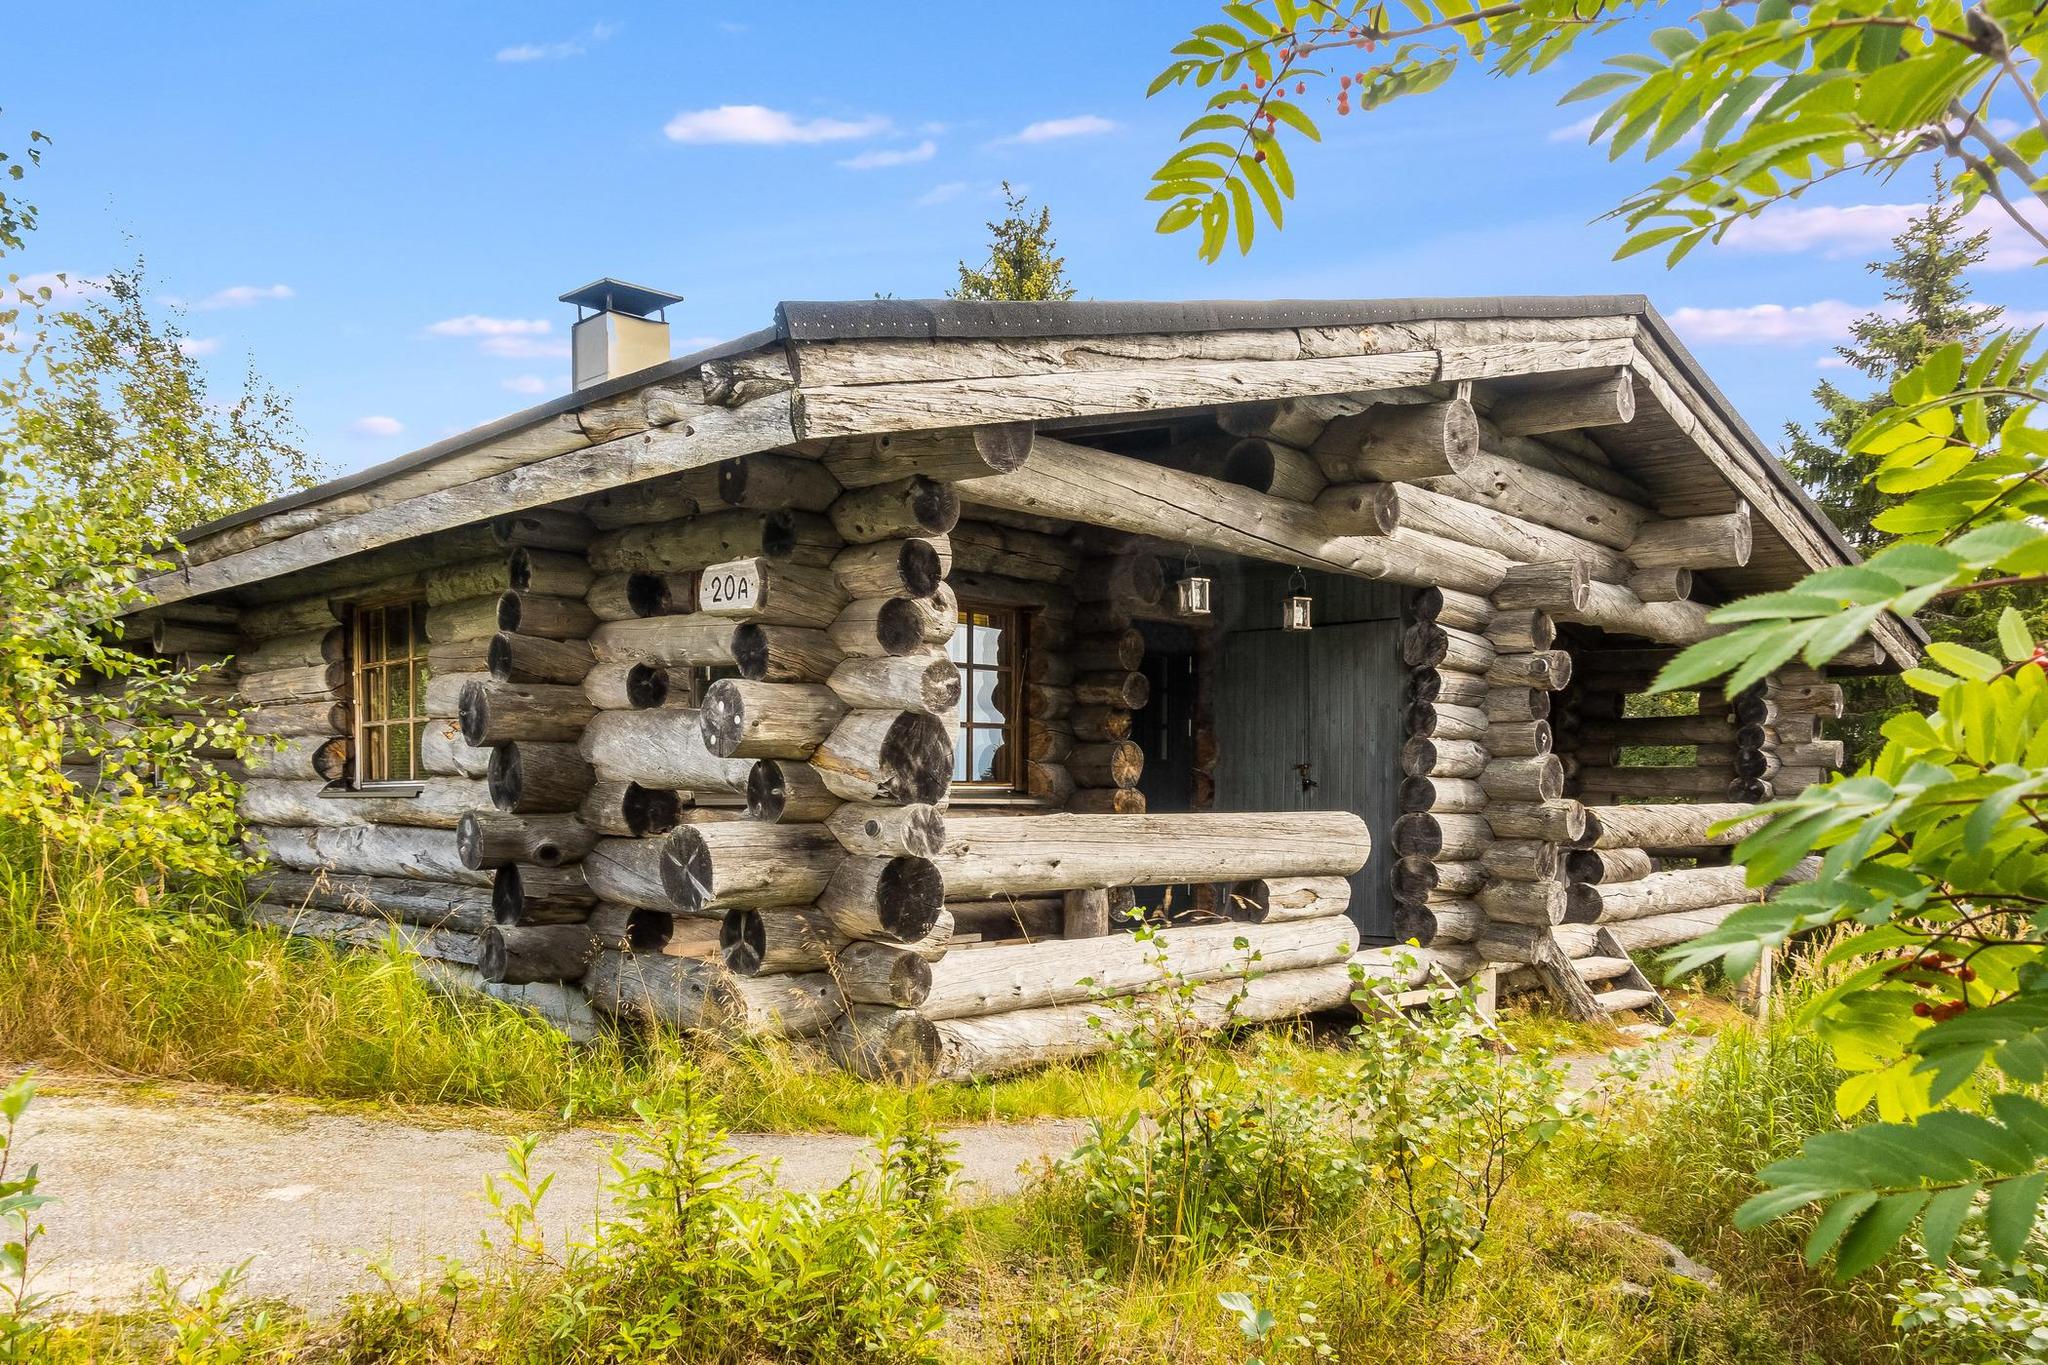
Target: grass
[110, 974]
[99, 971]
[1021, 1289]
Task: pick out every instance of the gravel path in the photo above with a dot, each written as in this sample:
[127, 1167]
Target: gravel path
[200, 1183]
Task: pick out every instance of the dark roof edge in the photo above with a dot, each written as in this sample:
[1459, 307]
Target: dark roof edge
[572, 401]
[934, 319]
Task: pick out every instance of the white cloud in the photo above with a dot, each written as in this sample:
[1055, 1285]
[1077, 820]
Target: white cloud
[522, 348]
[376, 426]
[525, 383]
[1768, 323]
[245, 295]
[198, 346]
[940, 194]
[1853, 231]
[758, 125]
[1052, 129]
[478, 325]
[1574, 132]
[899, 156]
[554, 52]
[1831, 362]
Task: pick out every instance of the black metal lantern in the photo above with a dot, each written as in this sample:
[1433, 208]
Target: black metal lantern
[1193, 593]
[1297, 608]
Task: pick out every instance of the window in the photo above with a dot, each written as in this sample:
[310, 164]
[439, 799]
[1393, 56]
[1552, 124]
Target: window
[390, 644]
[989, 648]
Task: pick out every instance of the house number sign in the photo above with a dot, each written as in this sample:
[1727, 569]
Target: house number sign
[730, 589]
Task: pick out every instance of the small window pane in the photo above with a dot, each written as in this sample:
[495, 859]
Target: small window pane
[989, 698]
[987, 643]
[987, 745]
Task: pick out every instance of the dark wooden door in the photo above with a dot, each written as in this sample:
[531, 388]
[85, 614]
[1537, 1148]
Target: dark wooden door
[1311, 720]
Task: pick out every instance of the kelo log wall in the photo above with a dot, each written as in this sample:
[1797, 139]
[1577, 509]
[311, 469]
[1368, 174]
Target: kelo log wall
[691, 756]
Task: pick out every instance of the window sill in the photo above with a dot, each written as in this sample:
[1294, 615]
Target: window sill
[972, 797]
[390, 791]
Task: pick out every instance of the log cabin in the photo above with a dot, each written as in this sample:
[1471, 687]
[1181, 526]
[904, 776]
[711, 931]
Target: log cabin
[867, 678]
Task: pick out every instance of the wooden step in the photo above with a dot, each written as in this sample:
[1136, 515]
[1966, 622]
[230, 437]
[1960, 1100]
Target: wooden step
[1593, 969]
[1615, 1002]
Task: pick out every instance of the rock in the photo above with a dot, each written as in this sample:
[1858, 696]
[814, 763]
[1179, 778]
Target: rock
[1675, 1260]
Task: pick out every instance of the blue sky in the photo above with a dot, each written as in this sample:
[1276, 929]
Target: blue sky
[377, 205]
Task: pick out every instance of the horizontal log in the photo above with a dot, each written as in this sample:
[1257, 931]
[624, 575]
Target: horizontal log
[526, 778]
[947, 455]
[770, 592]
[899, 757]
[541, 895]
[896, 899]
[872, 830]
[914, 566]
[1555, 586]
[769, 481]
[638, 686]
[787, 790]
[963, 1049]
[628, 596]
[370, 851]
[1607, 866]
[551, 573]
[1660, 585]
[743, 719]
[307, 682]
[1075, 483]
[1561, 821]
[514, 658]
[1668, 826]
[320, 645]
[1721, 541]
[618, 807]
[1618, 611]
[490, 839]
[746, 864]
[1449, 607]
[432, 905]
[1660, 893]
[669, 640]
[662, 992]
[913, 506]
[1552, 500]
[1438, 921]
[1001, 979]
[715, 537]
[1273, 900]
[663, 749]
[1395, 441]
[299, 718]
[361, 931]
[541, 952]
[499, 713]
[1608, 401]
[1451, 837]
[1024, 855]
[627, 872]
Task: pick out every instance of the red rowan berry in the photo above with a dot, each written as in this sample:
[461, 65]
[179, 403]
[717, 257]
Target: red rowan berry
[1301, 87]
[1966, 973]
[1921, 1009]
[1258, 156]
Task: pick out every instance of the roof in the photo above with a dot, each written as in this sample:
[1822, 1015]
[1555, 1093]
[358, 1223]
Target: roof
[801, 323]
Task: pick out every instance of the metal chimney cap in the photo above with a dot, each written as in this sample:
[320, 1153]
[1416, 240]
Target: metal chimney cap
[616, 296]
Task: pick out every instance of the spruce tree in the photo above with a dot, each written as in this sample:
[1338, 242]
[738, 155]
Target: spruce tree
[1932, 308]
[1022, 264]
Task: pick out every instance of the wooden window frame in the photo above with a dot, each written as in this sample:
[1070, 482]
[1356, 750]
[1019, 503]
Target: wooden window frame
[361, 667]
[1015, 622]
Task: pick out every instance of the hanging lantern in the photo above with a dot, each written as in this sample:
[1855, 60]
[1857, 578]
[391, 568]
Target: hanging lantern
[1192, 592]
[1297, 609]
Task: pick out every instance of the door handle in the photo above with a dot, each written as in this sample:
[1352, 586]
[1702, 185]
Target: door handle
[1308, 782]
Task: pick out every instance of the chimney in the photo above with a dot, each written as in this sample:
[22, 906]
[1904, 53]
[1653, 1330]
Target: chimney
[619, 329]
